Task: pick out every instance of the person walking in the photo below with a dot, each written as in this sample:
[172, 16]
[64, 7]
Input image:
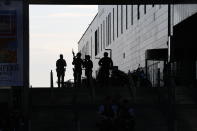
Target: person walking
[60, 69]
[105, 64]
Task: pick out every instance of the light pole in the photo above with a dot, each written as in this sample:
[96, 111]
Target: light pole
[171, 85]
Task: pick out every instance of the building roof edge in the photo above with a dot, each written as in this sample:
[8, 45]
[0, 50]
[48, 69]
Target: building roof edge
[87, 28]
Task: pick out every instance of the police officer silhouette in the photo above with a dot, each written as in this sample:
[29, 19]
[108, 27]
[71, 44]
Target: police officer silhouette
[88, 65]
[60, 69]
[105, 64]
[78, 63]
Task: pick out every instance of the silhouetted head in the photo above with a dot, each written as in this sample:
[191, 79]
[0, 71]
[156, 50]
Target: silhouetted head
[79, 54]
[105, 54]
[61, 56]
[87, 57]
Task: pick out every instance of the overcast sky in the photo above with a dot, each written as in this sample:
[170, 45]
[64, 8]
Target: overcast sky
[55, 29]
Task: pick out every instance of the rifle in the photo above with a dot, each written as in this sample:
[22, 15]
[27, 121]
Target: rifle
[73, 54]
[73, 58]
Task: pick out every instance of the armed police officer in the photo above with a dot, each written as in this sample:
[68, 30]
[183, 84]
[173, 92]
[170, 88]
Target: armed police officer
[88, 65]
[60, 69]
[78, 63]
[105, 64]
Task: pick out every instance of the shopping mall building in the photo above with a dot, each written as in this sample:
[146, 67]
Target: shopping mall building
[137, 35]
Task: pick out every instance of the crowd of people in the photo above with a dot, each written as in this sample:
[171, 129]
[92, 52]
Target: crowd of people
[105, 64]
[116, 114]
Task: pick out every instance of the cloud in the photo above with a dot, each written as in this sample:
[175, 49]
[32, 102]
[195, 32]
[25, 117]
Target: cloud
[45, 35]
[69, 14]
[84, 6]
[53, 36]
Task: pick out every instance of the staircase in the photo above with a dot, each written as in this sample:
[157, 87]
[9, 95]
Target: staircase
[186, 108]
[72, 109]
[68, 109]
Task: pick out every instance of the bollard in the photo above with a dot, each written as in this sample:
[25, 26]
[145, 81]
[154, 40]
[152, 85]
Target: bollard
[51, 79]
[51, 83]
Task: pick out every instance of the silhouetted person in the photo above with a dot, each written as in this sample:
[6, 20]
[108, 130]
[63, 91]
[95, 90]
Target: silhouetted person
[107, 114]
[88, 65]
[105, 64]
[60, 68]
[77, 62]
[126, 116]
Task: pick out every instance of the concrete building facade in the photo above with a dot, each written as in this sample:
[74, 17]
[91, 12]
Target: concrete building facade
[128, 31]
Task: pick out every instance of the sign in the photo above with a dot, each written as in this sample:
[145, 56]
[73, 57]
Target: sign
[11, 44]
[8, 37]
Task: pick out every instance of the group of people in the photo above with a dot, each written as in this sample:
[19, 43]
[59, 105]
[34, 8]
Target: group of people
[78, 65]
[105, 64]
[116, 114]
[140, 79]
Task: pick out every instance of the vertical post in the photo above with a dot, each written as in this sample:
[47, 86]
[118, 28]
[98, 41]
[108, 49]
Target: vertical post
[171, 84]
[25, 91]
[51, 84]
[168, 85]
[51, 79]
[169, 32]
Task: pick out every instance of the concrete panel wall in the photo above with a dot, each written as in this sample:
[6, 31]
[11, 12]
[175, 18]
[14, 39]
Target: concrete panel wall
[128, 47]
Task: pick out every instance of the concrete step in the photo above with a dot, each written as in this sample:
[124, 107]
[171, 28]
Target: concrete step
[186, 117]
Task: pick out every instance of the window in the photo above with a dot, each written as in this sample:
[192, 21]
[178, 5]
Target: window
[91, 46]
[138, 12]
[117, 21]
[98, 41]
[113, 23]
[121, 19]
[106, 31]
[126, 17]
[109, 28]
[104, 34]
[95, 36]
[131, 14]
[101, 36]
